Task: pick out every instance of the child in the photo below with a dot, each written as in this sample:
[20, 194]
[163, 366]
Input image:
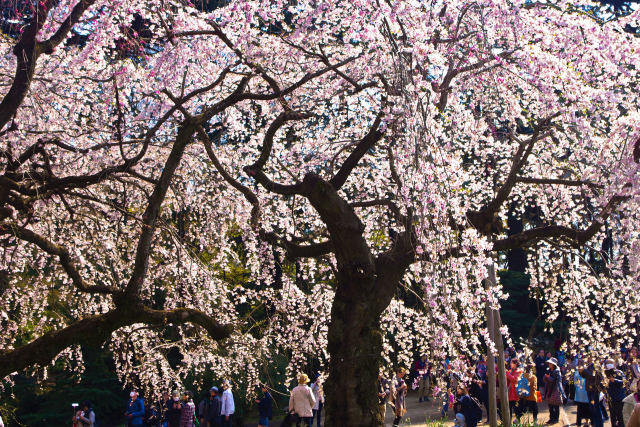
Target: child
[447, 400]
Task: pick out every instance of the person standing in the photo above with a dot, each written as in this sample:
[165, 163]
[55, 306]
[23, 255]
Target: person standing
[513, 375]
[554, 392]
[580, 395]
[318, 394]
[85, 417]
[302, 400]
[383, 395]
[421, 368]
[541, 368]
[593, 383]
[187, 410]
[228, 406]
[529, 403]
[399, 387]
[164, 405]
[265, 404]
[634, 374]
[615, 391]
[209, 409]
[173, 410]
[135, 409]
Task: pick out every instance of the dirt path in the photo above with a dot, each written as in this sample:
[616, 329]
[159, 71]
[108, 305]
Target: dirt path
[419, 414]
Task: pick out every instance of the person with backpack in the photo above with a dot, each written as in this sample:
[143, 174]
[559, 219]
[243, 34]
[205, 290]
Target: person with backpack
[135, 409]
[187, 410]
[209, 409]
[615, 391]
[467, 406]
[265, 404]
[527, 389]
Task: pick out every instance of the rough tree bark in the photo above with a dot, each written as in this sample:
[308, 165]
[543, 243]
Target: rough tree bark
[365, 287]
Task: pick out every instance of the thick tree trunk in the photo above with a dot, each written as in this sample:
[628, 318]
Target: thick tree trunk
[365, 286]
[355, 346]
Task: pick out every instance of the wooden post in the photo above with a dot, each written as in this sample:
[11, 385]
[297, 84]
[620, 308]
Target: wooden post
[502, 372]
[497, 339]
[491, 366]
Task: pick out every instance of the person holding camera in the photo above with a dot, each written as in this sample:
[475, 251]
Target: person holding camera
[593, 384]
[615, 391]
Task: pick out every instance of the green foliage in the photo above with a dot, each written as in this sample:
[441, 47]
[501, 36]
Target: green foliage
[49, 403]
[519, 311]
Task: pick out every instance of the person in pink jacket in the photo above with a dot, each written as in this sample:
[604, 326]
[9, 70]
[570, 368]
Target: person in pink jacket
[513, 375]
[302, 400]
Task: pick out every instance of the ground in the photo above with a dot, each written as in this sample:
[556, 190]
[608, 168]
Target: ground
[425, 413]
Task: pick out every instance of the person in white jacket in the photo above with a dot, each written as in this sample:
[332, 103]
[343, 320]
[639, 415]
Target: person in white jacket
[228, 407]
[318, 393]
[302, 401]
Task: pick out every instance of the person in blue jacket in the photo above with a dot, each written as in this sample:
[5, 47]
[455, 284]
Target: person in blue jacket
[135, 410]
[616, 393]
[264, 407]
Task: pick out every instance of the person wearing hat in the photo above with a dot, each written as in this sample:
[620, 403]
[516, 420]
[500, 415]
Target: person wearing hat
[302, 400]
[554, 393]
[228, 406]
[615, 391]
[209, 409]
[135, 410]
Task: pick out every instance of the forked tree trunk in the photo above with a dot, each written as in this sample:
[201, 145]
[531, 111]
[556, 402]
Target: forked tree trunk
[364, 289]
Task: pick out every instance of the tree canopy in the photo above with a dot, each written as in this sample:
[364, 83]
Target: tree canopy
[330, 151]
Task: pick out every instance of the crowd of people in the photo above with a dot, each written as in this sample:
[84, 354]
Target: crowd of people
[606, 389]
[601, 389]
[217, 408]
